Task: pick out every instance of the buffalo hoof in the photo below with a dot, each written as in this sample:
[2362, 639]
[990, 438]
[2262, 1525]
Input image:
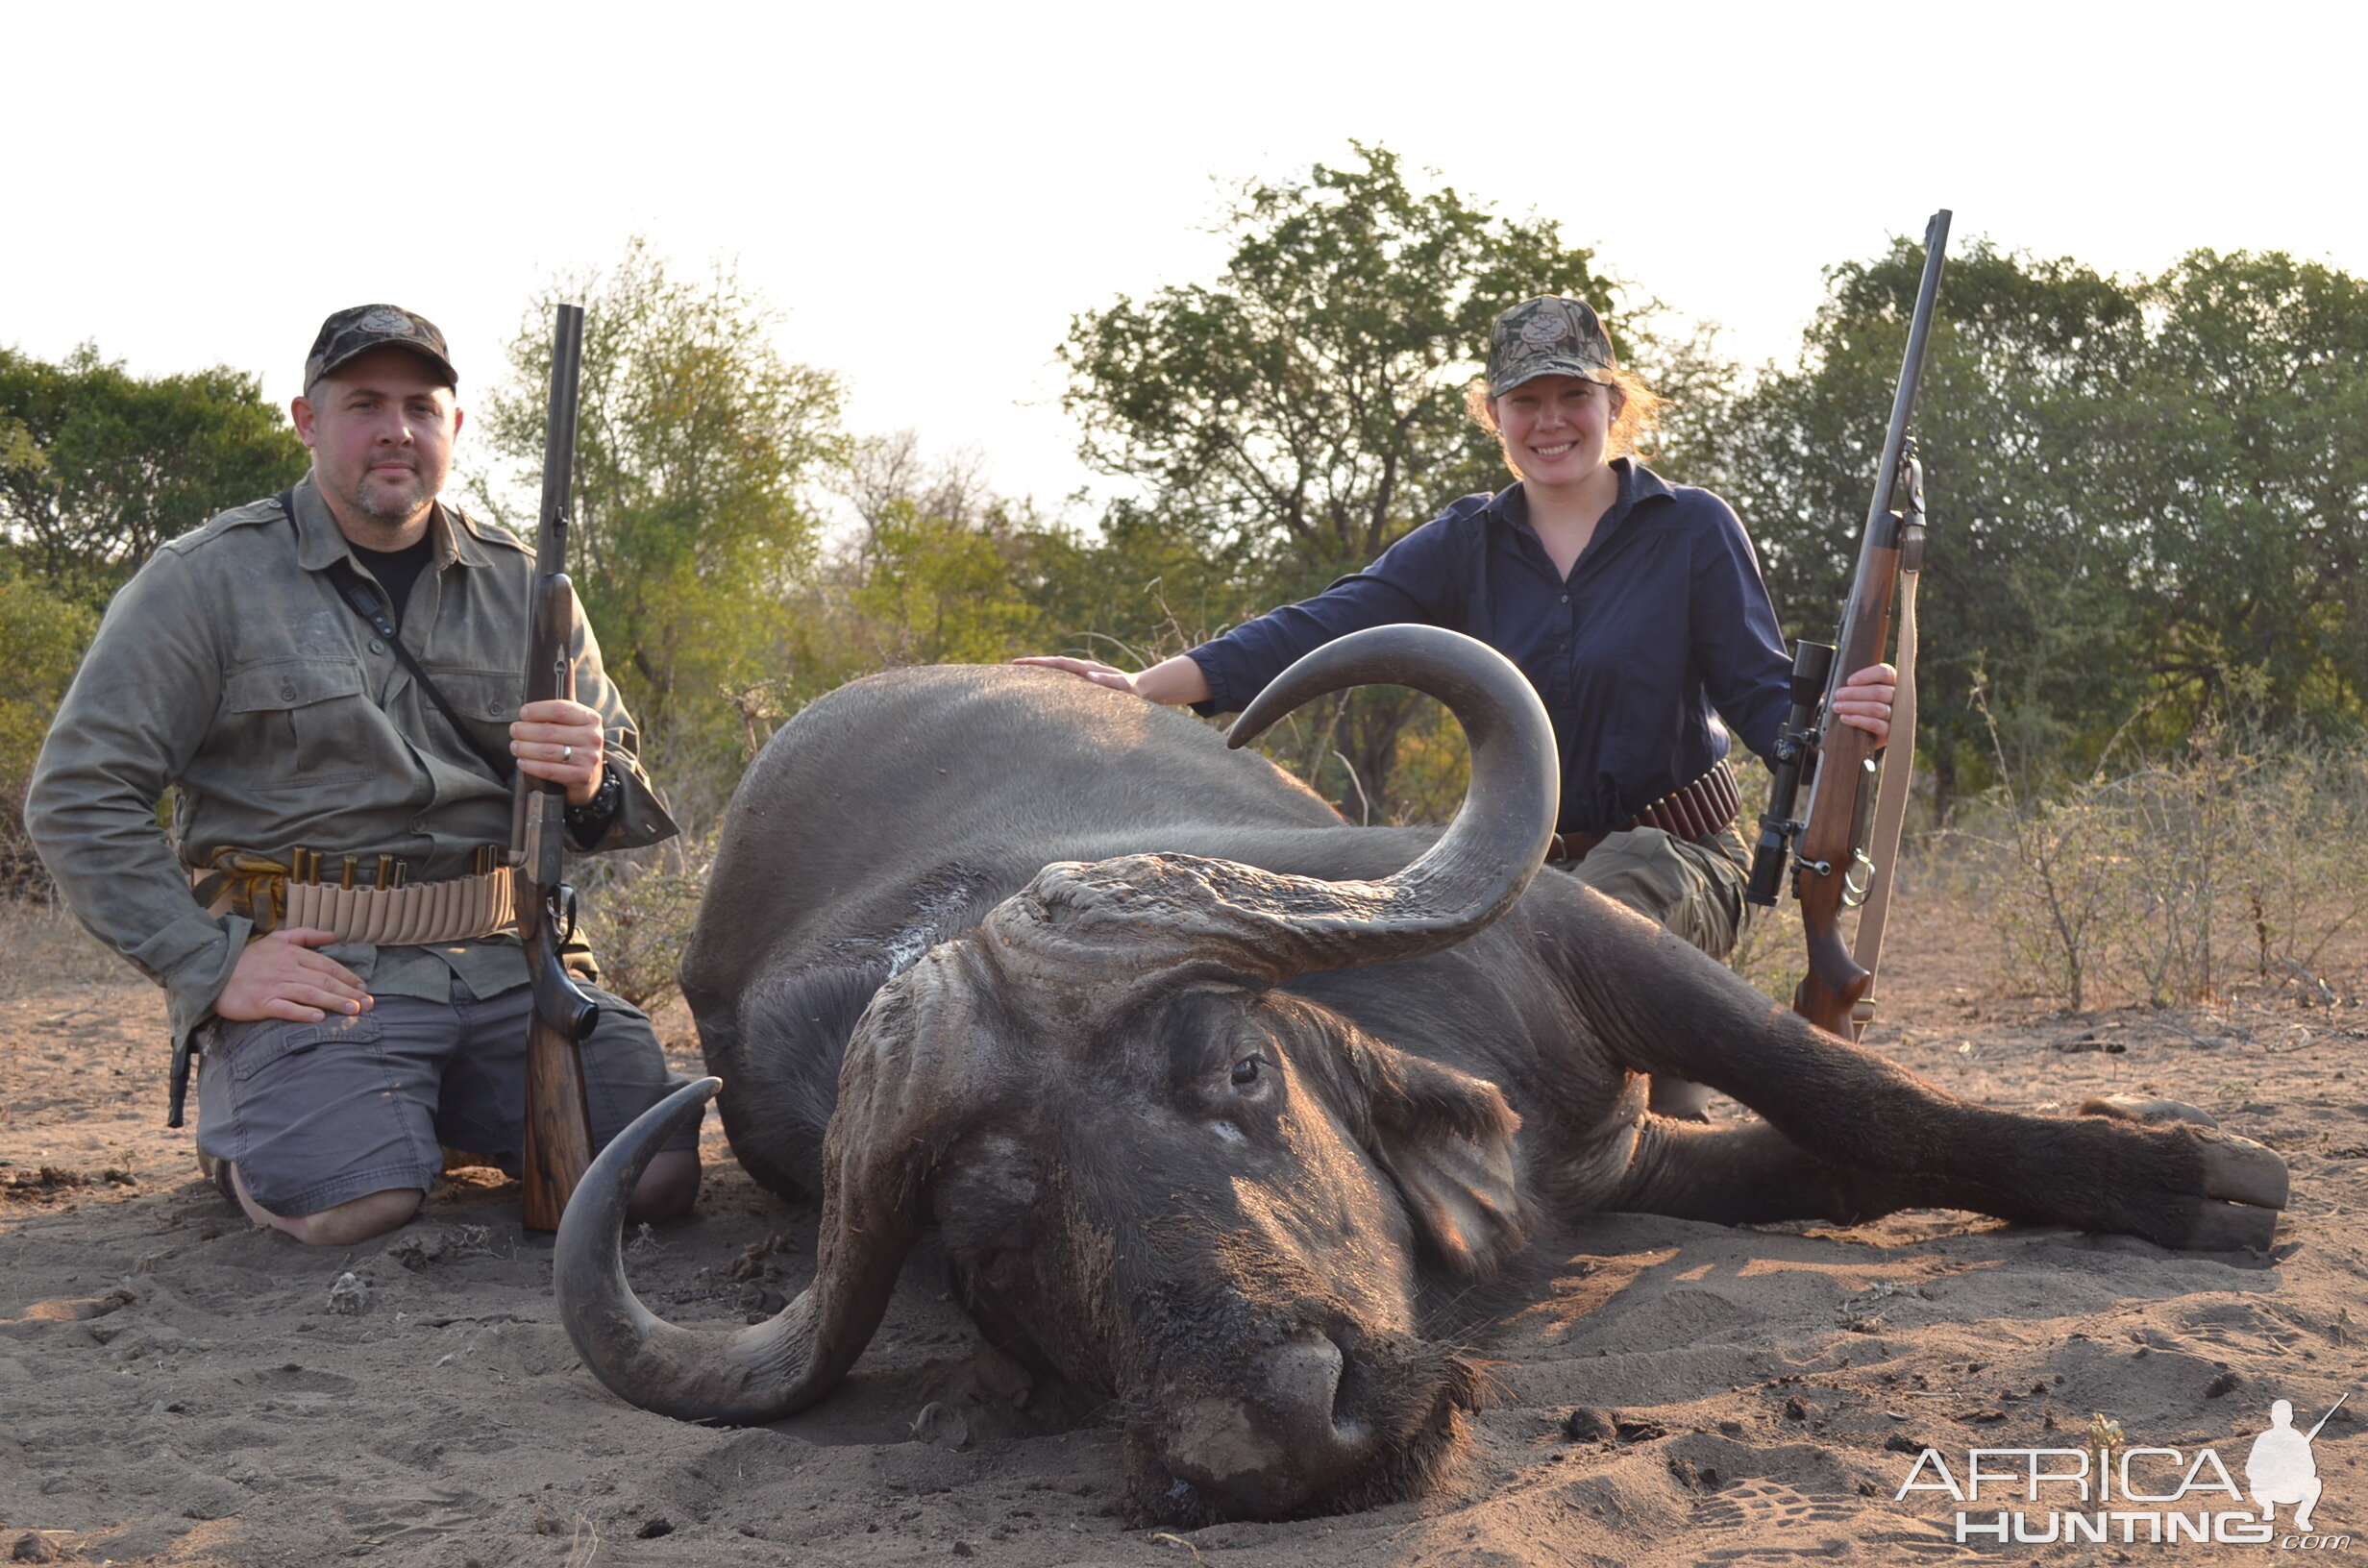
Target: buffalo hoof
[2243, 1171]
[2153, 1113]
[2244, 1186]
[2228, 1198]
[2230, 1227]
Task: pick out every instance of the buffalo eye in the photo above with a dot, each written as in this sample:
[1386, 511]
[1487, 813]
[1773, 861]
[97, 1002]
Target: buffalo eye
[1245, 1071]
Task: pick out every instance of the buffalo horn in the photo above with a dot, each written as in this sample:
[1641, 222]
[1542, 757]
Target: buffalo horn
[755, 1374]
[1483, 862]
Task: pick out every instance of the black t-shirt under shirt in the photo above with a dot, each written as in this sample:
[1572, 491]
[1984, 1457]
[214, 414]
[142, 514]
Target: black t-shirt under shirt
[397, 570]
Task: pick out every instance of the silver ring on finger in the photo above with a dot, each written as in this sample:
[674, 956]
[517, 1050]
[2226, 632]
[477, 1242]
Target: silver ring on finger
[566, 754]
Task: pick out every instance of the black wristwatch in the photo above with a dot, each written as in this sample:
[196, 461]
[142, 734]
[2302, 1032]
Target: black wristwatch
[587, 823]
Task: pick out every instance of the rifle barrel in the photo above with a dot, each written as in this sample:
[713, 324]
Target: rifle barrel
[1880, 527]
[1830, 845]
[560, 440]
[557, 1141]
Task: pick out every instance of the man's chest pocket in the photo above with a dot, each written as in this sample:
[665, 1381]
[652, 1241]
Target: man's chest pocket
[303, 722]
[486, 701]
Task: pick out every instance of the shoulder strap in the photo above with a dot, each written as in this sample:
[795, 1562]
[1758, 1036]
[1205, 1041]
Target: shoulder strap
[364, 601]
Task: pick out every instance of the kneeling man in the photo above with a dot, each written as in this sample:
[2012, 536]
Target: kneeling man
[311, 769]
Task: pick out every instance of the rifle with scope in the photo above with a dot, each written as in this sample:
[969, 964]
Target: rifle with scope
[1843, 850]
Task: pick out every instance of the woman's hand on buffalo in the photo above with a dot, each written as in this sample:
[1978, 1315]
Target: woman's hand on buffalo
[1169, 681]
[1864, 700]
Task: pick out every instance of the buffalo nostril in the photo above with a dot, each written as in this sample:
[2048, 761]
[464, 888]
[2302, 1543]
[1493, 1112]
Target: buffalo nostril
[1349, 1385]
[1304, 1377]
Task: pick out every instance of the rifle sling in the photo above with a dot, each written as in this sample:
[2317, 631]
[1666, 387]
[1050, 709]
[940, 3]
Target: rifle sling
[364, 601]
[1890, 802]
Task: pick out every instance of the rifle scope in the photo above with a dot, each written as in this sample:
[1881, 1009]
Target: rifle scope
[1795, 748]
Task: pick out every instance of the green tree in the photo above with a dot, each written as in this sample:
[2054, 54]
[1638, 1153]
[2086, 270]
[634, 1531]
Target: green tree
[2027, 579]
[942, 592]
[1306, 409]
[44, 634]
[697, 444]
[1311, 401]
[99, 466]
[941, 570]
[2237, 462]
[1142, 585]
[2144, 494]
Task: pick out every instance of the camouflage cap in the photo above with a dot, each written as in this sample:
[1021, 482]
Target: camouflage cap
[359, 329]
[1549, 335]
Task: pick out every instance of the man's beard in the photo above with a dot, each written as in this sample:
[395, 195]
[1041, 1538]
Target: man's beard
[390, 507]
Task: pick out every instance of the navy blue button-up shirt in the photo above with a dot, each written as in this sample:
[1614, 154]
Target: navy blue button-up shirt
[1662, 629]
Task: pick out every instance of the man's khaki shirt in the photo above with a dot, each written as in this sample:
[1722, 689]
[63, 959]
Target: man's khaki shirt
[230, 669]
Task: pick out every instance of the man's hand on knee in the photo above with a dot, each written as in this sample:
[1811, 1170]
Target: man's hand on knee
[280, 977]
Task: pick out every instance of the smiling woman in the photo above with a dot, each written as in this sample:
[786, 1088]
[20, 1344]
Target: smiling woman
[1634, 607]
[1628, 408]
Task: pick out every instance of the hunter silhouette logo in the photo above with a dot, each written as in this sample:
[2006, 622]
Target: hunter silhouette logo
[2280, 1468]
[2112, 1490]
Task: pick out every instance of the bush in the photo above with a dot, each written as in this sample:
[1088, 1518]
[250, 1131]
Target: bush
[2187, 876]
[45, 636]
[639, 909]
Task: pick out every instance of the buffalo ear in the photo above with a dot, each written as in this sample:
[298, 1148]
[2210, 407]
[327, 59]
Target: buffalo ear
[1445, 1138]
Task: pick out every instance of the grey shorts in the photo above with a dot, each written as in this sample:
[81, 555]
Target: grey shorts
[316, 1115]
[1692, 887]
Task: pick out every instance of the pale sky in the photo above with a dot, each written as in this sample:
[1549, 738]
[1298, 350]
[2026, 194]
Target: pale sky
[931, 191]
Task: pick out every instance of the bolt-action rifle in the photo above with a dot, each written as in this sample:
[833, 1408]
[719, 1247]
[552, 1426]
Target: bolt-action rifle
[558, 1135]
[1844, 849]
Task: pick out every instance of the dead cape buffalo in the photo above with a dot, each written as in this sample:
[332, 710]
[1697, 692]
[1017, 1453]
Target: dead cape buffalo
[1212, 1097]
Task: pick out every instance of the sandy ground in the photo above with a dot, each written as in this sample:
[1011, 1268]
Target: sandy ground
[174, 1387]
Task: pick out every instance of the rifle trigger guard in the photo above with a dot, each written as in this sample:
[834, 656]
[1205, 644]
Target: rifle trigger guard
[1858, 881]
[561, 906]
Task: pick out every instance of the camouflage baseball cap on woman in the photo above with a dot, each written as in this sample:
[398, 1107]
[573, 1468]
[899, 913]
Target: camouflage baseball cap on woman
[359, 329]
[1549, 335]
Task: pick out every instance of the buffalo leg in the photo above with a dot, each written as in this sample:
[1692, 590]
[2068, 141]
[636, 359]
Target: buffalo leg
[1663, 1008]
[1749, 1173]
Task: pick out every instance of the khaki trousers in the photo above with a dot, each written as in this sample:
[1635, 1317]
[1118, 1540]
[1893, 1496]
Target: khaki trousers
[1692, 888]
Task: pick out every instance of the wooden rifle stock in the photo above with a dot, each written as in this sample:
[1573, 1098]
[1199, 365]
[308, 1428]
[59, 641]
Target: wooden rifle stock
[559, 1123]
[1832, 869]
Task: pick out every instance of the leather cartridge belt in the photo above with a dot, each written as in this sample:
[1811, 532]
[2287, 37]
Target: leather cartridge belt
[1700, 809]
[365, 899]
